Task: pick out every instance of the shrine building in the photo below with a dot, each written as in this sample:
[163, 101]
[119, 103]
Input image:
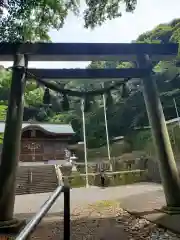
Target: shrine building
[43, 142]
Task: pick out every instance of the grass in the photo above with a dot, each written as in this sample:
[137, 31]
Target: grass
[100, 205]
[112, 178]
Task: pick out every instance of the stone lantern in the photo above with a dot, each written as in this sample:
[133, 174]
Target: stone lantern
[66, 170]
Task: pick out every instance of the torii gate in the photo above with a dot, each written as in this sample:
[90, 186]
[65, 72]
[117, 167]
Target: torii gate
[142, 54]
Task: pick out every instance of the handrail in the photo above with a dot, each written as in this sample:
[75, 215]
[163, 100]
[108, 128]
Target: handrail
[33, 223]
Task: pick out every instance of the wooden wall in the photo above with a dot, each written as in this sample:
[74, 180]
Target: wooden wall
[42, 147]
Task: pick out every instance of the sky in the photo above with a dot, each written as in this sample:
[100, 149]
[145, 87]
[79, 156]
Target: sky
[148, 14]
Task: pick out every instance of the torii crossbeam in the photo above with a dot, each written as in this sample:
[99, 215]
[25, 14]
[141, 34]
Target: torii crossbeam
[88, 74]
[87, 51]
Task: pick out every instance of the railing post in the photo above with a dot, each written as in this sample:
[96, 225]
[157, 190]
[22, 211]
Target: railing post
[67, 213]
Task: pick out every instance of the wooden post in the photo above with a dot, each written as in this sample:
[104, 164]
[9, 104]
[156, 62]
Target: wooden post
[12, 139]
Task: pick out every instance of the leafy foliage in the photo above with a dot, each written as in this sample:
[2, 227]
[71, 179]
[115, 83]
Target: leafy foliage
[124, 114]
[98, 12]
[31, 20]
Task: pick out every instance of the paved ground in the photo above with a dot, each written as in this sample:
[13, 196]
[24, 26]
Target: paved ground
[25, 204]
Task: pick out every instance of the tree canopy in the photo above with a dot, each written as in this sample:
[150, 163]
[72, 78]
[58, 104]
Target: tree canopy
[31, 20]
[127, 111]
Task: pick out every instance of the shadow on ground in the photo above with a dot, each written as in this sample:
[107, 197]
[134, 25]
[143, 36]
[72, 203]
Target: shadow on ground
[106, 219]
[122, 226]
[161, 219]
[94, 229]
[148, 206]
[28, 216]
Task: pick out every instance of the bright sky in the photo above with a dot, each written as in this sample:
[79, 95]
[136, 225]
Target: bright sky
[148, 14]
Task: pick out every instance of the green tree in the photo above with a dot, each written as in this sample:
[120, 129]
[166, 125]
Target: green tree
[3, 110]
[124, 114]
[32, 19]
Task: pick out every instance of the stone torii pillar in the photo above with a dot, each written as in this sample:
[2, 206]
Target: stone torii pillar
[167, 165]
[11, 144]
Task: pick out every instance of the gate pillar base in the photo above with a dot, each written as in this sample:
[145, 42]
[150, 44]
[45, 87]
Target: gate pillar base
[11, 227]
[170, 210]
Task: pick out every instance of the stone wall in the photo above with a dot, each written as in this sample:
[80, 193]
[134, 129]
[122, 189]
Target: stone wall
[153, 171]
[128, 162]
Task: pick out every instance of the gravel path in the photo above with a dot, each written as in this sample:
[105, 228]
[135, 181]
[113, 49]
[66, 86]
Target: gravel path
[103, 220]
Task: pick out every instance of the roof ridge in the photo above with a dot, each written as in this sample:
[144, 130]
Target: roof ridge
[41, 123]
[49, 127]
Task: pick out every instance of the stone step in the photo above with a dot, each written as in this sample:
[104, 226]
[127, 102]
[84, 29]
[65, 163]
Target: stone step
[44, 179]
[36, 189]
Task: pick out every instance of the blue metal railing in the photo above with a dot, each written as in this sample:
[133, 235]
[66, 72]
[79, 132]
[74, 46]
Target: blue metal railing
[33, 223]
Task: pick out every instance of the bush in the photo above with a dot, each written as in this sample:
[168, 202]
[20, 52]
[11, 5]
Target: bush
[142, 140]
[66, 170]
[125, 177]
[111, 179]
[81, 168]
[116, 150]
[77, 181]
[117, 165]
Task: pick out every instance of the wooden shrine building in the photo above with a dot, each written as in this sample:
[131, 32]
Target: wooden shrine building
[43, 142]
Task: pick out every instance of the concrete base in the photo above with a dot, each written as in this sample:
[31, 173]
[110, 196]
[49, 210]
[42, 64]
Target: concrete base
[169, 210]
[11, 227]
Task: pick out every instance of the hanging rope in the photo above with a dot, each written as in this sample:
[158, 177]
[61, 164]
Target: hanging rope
[55, 87]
